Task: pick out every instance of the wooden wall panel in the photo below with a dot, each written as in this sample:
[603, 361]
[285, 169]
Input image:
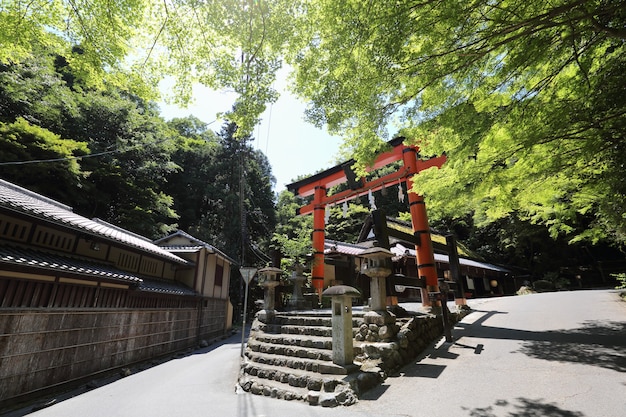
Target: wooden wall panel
[43, 348]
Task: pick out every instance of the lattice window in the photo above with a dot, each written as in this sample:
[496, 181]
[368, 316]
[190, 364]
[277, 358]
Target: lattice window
[149, 266]
[128, 261]
[12, 229]
[51, 238]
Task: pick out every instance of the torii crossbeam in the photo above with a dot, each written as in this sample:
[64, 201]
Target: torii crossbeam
[317, 185]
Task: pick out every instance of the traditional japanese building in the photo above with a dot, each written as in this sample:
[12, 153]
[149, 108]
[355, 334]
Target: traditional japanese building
[80, 297]
[479, 278]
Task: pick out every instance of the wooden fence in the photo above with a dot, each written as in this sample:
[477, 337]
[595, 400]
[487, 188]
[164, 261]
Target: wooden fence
[42, 348]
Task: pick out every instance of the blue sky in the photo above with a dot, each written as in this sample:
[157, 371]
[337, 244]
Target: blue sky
[293, 146]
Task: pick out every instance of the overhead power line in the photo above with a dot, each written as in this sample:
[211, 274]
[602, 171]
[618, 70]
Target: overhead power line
[72, 158]
[69, 158]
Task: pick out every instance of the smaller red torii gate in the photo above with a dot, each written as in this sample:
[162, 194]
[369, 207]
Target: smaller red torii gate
[317, 185]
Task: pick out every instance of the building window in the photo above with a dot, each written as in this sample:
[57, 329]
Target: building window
[219, 274]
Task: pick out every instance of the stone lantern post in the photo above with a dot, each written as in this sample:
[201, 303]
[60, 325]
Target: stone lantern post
[341, 305]
[269, 281]
[377, 268]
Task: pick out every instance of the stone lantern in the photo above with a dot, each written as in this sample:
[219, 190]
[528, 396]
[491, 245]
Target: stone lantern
[268, 279]
[377, 268]
[297, 301]
[341, 306]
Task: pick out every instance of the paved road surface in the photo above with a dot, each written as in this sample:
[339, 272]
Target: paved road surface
[554, 354]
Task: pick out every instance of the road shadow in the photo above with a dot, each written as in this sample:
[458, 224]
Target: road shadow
[522, 407]
[597, 343]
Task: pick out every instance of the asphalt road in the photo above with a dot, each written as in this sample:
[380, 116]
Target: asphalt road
[554, 354]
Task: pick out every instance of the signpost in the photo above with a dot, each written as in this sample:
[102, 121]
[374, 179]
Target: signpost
[247, 273]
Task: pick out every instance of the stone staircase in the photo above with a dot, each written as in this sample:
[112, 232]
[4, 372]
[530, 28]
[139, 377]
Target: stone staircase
[290, 357]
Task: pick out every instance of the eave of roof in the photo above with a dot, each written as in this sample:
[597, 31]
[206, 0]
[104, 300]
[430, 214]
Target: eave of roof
[182, 248]
[17, 256]
[21, 200]
[333, 246]
[400, 250]
[60, 265]
[165, 287]
[196, 244]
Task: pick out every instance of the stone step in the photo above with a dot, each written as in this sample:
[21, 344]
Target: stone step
[293, 377]
[273, 389]
[295, 329]
[309, 342]
[317, 342]
[273, 348]
[297, 363]
[288, 384]
[310, 320]
[320, 331]
[288, 356]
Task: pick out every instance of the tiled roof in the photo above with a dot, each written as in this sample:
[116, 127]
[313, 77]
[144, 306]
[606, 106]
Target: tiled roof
[400, 250]
[37, 259]
[194, 244]
[331, 246]
[334, 246]
[165, 287]
[29, 257]
[24, 201]
[182, 248]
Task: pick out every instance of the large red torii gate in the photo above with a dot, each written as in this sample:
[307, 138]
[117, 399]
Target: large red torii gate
[317, 185]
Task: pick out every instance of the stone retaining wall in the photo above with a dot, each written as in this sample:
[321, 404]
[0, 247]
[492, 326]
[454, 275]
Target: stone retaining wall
[413, 336]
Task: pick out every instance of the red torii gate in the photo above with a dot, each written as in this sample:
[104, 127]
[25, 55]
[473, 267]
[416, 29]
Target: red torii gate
[317, 185]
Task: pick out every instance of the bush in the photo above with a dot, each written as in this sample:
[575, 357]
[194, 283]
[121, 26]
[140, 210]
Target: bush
[543, 285]
[621, 280]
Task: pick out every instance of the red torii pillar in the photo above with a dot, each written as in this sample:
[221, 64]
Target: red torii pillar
[319, 225]
[318, 184]
[425, 257]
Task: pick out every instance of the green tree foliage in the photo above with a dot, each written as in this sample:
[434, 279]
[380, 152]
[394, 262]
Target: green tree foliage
[58, 177]
[195, 153]
[141, 173]
[292, 236]
[526, 99]
[36, 91]
[206, 190]
[134, 147]
[133, 44]
[346, 227]
[129, 145]
[206, 193]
